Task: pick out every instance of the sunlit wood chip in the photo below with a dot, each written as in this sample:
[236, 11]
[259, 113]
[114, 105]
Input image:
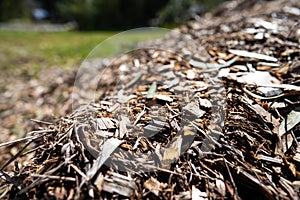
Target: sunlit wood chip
[205, 103]
[163, 97]
[253, 55]
[291, 120]
[193, 109]
[153, 185]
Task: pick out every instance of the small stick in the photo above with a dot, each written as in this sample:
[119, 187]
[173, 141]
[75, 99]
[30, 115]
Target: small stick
[53, 177]
[40, 121]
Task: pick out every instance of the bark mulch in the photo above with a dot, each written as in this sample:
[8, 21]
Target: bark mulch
[210, 111]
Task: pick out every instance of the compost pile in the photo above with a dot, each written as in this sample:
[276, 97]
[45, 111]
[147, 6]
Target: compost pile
[210, 111]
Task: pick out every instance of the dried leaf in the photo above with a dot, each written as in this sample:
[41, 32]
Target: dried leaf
[108, 148]
[197, 194]
[269, 91]
[221, 186]
[106, 123]
[204, 65]
[135, 80]
[163, 97]
[151, 91]
[193, 109]
[151, 130]
[253, 55]
[119, 184]
[269, 159]
[205, 103]
[172, 152]
[153, 185]
[292, 119]
[123, 126]
[124, 98]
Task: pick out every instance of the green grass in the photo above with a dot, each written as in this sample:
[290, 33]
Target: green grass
[29, 52]
[33, 51]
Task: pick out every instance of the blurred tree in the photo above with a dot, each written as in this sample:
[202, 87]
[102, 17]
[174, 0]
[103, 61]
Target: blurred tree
[81, 11]
[109, 14]
[179, 11]
[12, 9]
[112, 14]
[50, 7]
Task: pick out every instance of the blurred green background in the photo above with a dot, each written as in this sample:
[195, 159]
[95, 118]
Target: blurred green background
[104, 14]
[38, 34]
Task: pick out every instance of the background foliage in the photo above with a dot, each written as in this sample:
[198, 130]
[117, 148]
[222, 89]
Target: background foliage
[112, 14]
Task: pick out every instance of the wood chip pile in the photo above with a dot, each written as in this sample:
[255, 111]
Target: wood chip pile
[210, 111]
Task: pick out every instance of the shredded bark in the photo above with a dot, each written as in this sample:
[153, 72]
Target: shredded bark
[210, 111]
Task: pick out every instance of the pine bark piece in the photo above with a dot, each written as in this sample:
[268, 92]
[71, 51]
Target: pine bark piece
[253, 55]
[193, 109]
[151, 130]
[119, 184]
[153, 185]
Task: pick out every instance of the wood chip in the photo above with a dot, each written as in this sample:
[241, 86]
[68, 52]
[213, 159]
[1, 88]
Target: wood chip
[252, 55]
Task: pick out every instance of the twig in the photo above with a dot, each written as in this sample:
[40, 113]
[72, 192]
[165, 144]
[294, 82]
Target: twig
[139, 116]
[53, 177]
[40, 121]
[231, 179]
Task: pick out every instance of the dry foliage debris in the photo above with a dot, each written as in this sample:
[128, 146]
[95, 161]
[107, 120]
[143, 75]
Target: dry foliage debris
[211, 111]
